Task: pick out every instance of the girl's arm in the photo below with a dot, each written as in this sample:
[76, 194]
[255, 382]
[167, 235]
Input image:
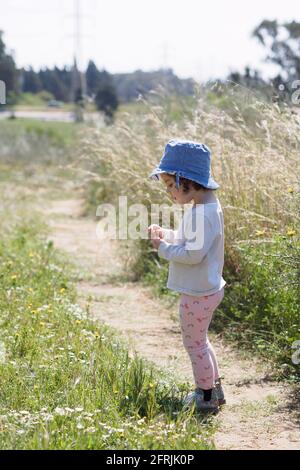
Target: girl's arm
[169, 235]
[181, 254]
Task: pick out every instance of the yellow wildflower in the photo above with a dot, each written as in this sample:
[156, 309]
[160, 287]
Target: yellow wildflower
[290, 190]
[259, 233]
[78, 322]
[290, 232]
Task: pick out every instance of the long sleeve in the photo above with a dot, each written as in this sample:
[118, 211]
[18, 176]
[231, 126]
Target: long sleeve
[169, 235]
[181, 253]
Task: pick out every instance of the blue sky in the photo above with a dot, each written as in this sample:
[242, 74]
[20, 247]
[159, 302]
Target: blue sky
[202, 39]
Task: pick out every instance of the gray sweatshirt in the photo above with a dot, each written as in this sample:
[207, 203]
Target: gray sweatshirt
[196, 268]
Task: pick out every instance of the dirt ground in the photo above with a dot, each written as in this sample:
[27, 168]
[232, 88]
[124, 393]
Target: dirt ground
[260, 413]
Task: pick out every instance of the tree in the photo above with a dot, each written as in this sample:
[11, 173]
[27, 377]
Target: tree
[65, 76]
[52, 81]
[8, 71]
[107, 101]
[283, 44]
[93, 78]
[30, 81]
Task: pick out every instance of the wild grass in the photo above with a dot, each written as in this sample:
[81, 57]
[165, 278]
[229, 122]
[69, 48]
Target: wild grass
[68, 382]
[33, 142]
[255, 159]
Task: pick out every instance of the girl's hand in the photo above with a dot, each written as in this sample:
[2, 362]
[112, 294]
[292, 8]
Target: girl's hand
[156, 242]
[155, 231]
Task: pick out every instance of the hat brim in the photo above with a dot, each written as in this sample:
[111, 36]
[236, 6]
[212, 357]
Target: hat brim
[155, 173]
[209, 184]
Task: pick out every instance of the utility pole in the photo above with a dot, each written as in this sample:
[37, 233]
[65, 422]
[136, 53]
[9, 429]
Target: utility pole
[78, 87]
[77, 44]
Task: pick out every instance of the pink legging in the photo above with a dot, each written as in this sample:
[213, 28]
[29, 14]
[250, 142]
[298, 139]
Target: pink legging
[195, 316]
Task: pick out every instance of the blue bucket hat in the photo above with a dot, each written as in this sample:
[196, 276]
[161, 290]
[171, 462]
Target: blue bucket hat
[188, 159]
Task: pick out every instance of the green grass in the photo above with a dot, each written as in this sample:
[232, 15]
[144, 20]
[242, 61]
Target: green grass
[39, 102]
[260, 309]
[29, 144]
[35, 100]
[58, 133]
[68, 382]
[176, 107]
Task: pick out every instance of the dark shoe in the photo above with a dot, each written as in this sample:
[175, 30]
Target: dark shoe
[220, 393]
[197, 397]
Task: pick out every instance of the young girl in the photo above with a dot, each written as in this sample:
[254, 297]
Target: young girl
[194, 271]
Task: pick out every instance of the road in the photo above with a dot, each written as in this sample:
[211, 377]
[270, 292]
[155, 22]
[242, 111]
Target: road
[58, 116]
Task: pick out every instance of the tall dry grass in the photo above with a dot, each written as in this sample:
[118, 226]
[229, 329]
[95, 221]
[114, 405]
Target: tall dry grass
[255, 157]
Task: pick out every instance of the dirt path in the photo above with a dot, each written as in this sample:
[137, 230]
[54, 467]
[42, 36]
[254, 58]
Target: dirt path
[260, 413]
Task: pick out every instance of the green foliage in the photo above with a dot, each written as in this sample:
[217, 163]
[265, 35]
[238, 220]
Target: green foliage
[106, 100]
[35, 99]
[261, 304]
[281, 42]
[259, 194]
[31, 82]
[56, 81]
[68, 382]
[130, 85]
[30, 140]
[8, 70]
[260, 309]
[96, 78]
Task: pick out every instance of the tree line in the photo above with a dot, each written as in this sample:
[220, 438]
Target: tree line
[280, 40]
[100, 85]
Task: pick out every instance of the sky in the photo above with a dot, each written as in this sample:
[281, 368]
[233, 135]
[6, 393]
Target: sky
[196, 38]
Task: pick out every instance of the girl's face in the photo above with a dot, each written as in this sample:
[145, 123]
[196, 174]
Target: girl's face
[177, 195]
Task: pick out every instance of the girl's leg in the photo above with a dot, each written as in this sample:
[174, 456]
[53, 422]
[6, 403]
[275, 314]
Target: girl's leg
[210, 346]
[214, 359]
[195, 317]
